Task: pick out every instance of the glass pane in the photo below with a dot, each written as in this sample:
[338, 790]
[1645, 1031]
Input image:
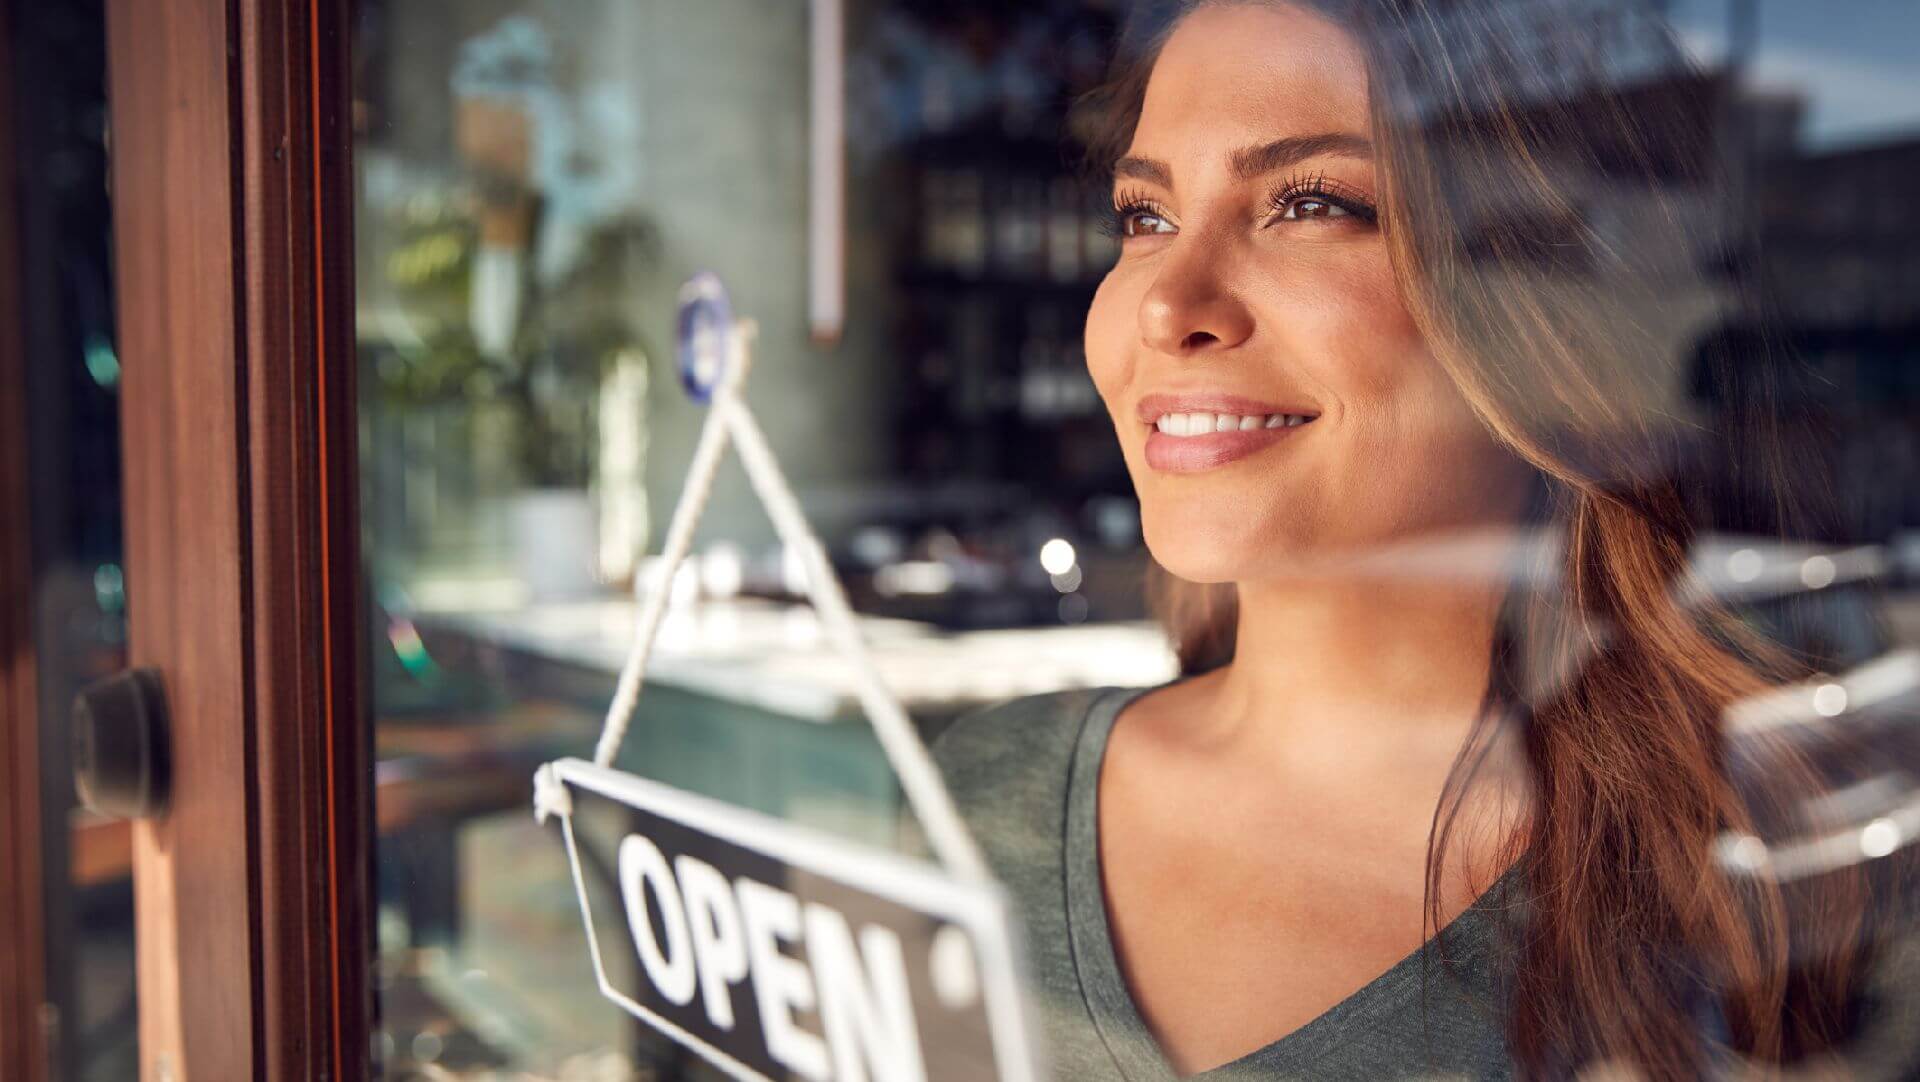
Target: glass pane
[535, 182]
[57, 68]
[1456, 457]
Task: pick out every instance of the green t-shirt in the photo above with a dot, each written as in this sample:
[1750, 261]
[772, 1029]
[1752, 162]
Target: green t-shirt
[1024, 774]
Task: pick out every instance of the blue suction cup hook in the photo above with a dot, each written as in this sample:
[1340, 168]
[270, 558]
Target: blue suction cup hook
[706, 330]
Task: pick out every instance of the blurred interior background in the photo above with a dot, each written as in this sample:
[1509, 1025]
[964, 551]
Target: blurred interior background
[535, 180]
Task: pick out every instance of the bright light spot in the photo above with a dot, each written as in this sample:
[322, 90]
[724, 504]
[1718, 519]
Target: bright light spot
[102, 363]
[1745, 565]
[1830, 700]
[722, 570]
[1880, 837]
[109, 588]
[1747, 853]
[1817, 572]
[1056, 556]
[1067, 581]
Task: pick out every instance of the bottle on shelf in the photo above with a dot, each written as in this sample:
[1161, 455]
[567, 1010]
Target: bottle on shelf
[967, 253]
[1021, 229]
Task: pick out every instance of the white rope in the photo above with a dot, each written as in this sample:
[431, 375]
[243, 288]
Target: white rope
[919, 778]
[729, 416]
[693, 500]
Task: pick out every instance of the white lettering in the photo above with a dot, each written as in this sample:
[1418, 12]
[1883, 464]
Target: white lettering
[866, 1011]
[642, 866]
[717, 941]
[781, 984]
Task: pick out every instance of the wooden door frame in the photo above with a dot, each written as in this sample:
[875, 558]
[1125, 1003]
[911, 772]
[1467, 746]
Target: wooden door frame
[232, 195]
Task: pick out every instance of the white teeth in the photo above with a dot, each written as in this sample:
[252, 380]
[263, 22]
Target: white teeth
[1201, 424]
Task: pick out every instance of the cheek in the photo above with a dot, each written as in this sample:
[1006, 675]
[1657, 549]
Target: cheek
[1113, 328]
[1342, 322]
[1408, 433]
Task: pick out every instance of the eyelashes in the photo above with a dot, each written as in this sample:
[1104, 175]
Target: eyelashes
[1301, 197]
[1126, 206]
[1303, 189]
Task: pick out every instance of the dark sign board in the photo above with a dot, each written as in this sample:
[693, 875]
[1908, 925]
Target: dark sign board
[780, 953]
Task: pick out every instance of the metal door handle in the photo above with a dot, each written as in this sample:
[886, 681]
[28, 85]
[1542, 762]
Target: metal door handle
[121, 749]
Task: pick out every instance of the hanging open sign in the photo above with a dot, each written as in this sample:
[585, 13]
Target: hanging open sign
[774, 951]
[781, 953]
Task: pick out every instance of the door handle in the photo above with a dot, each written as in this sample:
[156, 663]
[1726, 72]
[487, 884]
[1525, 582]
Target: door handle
[121, 748]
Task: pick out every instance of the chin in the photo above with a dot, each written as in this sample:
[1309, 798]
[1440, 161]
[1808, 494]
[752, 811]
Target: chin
[1202, 551]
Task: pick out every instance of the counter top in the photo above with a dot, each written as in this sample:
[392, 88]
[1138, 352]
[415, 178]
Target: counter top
[775, 656]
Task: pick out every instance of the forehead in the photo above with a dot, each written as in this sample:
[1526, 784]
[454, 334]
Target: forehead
[1234, 74]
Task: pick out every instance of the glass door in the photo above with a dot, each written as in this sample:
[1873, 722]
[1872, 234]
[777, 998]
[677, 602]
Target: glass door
[232, 250]
[534, 181]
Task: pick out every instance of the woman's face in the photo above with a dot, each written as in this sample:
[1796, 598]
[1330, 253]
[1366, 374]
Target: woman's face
[1253, 281]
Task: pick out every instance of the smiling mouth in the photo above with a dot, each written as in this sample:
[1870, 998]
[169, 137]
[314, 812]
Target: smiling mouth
[1193, 442]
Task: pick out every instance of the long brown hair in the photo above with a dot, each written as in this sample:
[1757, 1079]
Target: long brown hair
[1562, 333]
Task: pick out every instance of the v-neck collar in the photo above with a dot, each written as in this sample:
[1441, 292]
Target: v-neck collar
[1117, 1018]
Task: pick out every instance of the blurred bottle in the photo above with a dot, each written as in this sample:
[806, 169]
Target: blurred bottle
[967, 239]
[1020, 229]
[1040, 385]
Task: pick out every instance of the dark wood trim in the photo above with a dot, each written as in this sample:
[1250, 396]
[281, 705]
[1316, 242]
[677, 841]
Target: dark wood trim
[232, 199]
[23, 1045]
[314, 755]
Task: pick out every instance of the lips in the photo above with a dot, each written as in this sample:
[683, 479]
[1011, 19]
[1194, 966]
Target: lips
[1171, 417]
[1186, 454]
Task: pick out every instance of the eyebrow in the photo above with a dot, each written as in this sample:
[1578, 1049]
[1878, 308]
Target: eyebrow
[1255, 161]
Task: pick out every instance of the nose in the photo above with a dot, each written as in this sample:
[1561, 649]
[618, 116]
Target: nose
[1190, 308]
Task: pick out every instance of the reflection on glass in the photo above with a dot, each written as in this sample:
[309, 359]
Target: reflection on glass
[1708, 197]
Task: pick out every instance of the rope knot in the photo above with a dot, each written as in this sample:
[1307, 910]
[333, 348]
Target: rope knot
[550, 796]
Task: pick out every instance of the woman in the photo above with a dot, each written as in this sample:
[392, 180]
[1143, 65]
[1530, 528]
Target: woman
[1395, 353]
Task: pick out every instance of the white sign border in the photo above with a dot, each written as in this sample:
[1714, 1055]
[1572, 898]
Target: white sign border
[980, 907]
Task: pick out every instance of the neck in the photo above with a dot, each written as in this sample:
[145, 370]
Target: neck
[1358, 662]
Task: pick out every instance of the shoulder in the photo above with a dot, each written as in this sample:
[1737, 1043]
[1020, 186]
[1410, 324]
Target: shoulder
[1007, 765]
[997, 742]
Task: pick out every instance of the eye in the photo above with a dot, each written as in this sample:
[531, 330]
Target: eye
[1308, 206]
[1141, 222]
[1315, 197]
[1135, 216]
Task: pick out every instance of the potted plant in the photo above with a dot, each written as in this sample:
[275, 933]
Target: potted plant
[514, 278]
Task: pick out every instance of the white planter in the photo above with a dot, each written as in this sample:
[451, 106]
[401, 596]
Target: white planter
[555, 543]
